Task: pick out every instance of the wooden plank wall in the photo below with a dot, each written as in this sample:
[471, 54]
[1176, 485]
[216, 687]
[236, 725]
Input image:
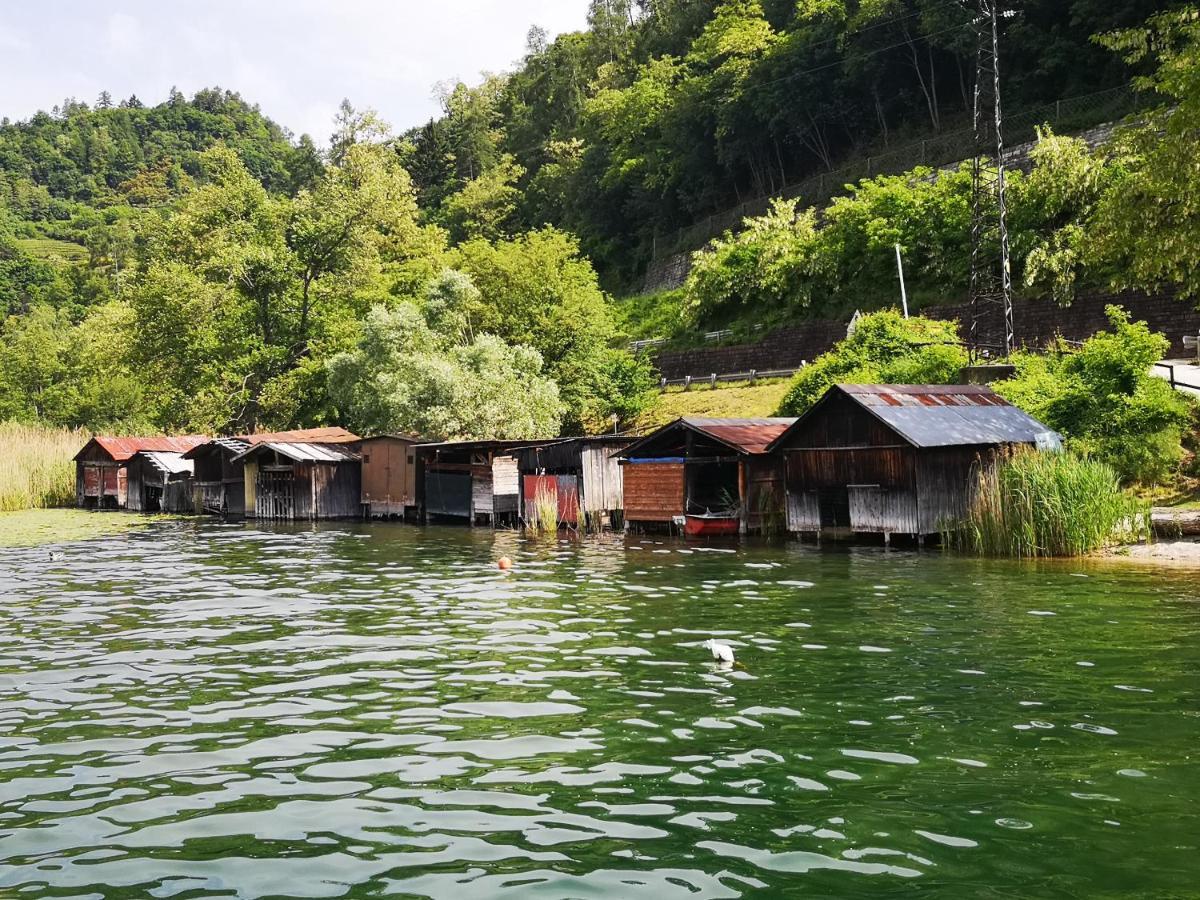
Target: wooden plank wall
[654, 492]
[603, 484]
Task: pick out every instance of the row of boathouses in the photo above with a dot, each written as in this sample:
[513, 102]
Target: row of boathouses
[878, 459]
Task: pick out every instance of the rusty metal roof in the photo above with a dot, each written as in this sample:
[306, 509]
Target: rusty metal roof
[748, 436]
[331, 435]
[304, 451]
[743, 435]
[242, 442]
[167, 463]
[945, 415]
[119, 449]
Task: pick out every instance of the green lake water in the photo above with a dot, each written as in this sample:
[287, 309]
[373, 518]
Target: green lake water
[198, 710]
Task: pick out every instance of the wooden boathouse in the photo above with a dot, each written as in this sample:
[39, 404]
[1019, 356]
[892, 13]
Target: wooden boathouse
[219, 478]
[159, 481]
[581, 473]
[707, 476]
[101, 467]
[302, 480]
[389, 475]
[896, 459]
[472, 482]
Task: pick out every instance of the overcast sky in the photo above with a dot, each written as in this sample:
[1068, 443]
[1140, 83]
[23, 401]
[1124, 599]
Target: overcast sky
[296, 58]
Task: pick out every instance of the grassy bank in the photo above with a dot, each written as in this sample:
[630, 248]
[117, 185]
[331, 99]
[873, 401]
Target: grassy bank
[1049, 505]
[735, 400]
[33, 527]
[36, 470]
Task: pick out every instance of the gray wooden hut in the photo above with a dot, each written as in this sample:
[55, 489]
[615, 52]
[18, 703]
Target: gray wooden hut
[288, 480]
[159, 481]
[219, 480]
[470, 482]
[582, 474]
[896, 459]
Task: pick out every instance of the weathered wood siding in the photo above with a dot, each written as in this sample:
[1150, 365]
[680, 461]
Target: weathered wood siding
[882, 511]
[336, 490]
[946, 477]
[803, 511]
[653, 492]
[764, 500]
[603, 482]
[481, 491]
[506, 485]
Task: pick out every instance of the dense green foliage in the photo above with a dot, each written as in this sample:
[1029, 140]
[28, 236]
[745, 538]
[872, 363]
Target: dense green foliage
[1034, 504]
[667, 110]
[884, 348]
[405, 376]
[1102, 397]
[214, 297]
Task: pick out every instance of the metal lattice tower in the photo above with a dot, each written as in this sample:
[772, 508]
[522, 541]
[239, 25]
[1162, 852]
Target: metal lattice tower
[992, 330]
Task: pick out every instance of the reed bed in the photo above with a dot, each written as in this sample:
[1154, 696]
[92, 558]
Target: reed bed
[1030, 504]
[545, 513]
[36, 468]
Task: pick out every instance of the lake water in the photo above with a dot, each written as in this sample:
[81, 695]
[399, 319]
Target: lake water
[200, 710]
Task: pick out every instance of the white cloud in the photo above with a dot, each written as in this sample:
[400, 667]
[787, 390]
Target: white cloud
[123, 33]
[296, 58]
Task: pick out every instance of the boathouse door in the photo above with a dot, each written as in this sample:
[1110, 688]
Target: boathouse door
[274, 496]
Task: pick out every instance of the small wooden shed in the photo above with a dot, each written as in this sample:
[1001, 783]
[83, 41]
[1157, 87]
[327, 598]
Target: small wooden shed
[219, 479]
[101, 467]
[159, 481]
[710, 476]
[896, 459]
[288, 480]
[389, 475]
[472, 482]
[582, 474]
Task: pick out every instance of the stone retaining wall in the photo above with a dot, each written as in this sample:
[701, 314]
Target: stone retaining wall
[1037, 321]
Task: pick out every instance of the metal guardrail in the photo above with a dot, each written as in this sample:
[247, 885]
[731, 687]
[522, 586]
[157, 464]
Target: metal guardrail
[947, 148]
[712, 380]
[710, 336]
[1175, 382]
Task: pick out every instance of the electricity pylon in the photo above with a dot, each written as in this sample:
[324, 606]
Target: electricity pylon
[992, 329]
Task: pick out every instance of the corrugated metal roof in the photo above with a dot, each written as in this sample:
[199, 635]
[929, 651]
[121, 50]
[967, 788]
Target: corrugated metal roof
[744, 435]
[947, 415]
[236, 446]
[167, 463]
[750, 436]
[305, 452]
[121, 448]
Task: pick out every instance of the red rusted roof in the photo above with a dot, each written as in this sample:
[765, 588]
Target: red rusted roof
[744, 435]
[749, 436]
[119, 449]
[303, 436]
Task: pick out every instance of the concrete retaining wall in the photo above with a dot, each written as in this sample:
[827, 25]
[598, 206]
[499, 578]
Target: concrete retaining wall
[1037, 321]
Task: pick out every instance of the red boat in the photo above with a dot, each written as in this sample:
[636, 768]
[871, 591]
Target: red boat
[711, 525]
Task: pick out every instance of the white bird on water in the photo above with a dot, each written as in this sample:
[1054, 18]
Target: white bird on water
[722, 653]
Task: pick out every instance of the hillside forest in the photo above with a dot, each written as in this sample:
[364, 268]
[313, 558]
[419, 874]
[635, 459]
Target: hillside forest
[193, 266]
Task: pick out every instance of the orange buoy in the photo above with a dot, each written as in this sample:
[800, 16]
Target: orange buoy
[505, 563]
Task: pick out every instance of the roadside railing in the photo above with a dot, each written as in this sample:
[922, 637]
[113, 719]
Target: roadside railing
[1176, 383]
[712, 380]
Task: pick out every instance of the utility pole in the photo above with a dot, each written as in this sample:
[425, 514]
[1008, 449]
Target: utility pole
[992, 329]
[903, 289]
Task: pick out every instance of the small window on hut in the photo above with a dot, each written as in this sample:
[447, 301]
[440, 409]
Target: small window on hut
[410, 459]
[366, 457]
